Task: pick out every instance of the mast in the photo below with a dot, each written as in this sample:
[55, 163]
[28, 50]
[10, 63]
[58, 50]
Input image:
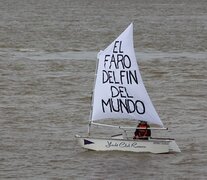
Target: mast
[92, 97]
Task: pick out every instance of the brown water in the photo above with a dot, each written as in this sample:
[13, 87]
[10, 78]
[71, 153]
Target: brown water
[47, 63]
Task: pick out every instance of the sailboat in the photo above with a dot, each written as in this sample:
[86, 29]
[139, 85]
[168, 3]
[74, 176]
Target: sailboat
[119, 93]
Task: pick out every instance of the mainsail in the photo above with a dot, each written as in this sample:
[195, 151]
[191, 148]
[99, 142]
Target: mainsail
[119, 91]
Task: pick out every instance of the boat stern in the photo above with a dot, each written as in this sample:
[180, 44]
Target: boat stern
[173, 147]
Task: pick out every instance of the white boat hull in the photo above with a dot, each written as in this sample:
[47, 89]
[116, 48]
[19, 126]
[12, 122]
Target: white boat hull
[115, 144]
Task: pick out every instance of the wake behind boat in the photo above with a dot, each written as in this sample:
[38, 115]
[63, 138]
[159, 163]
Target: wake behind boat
[119, 93]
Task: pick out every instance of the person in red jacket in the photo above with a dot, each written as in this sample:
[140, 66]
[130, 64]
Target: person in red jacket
[143, 131]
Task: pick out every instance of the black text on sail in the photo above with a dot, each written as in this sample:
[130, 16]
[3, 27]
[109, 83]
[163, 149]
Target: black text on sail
[118, 73]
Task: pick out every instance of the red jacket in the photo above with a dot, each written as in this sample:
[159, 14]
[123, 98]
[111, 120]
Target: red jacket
[142, 133]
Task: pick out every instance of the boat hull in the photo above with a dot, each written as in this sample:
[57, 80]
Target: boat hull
[115, 144]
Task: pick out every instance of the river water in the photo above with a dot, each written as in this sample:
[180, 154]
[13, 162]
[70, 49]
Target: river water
[47, 65]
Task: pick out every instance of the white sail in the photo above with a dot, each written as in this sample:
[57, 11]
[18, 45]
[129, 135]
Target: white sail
[119, 91]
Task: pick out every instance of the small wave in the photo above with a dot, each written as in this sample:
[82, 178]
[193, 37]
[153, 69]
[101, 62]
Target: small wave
[34, 54]
[26, 50]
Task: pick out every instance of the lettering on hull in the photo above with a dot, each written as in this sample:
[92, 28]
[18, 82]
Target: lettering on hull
[123, 144]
